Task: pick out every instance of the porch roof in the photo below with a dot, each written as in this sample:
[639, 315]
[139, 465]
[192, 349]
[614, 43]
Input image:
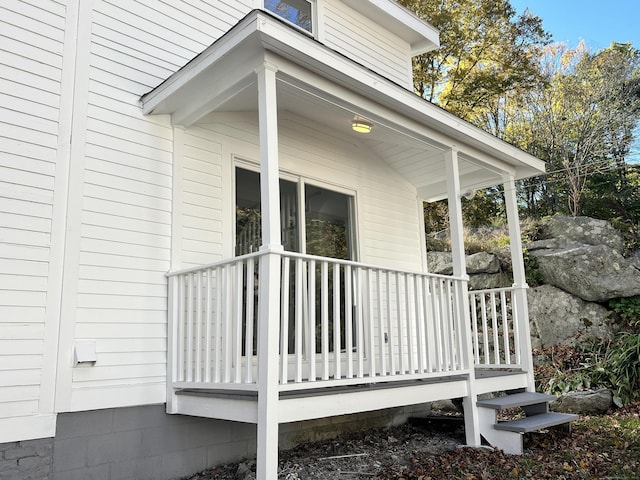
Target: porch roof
[323, 87]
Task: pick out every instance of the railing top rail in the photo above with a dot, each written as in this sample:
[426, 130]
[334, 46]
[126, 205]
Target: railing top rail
[368, 266]
[495, 290]
[214, 264]
[317, 259]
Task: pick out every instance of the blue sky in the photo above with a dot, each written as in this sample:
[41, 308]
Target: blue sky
[598, 22]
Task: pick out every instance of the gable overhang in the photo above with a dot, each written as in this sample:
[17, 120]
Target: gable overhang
[400, 21]
[323, 87]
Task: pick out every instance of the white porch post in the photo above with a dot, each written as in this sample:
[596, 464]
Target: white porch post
[521, 310]
[269, 288]
[471, 420]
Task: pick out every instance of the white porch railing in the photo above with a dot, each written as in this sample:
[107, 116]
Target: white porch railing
[341, 322]
[495, 328]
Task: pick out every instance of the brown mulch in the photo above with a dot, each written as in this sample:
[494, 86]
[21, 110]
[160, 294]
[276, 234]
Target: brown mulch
[606, 447]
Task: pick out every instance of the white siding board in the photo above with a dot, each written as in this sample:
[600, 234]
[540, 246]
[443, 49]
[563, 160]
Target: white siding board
[119, 261]
[108, 287]
[121, 318]
[18, 409]
[118, 345]
[24, 282]
[140, 331]
[93, 245]
[22, 313]
[122, 146]
[19, 346]
[130, 302]
[12, 266]
[46, 22]
[127, 237]
[10, 393]
[22, 64]
[113, 274]
[123, 223]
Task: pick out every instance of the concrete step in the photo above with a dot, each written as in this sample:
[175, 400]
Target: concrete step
[515, 400]
[536, 422]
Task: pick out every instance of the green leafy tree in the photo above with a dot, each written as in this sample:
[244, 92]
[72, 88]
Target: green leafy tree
[486, 51]
[581, 123]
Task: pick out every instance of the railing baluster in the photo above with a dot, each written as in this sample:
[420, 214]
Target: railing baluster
[189, 362]
[198, 317]
[391, 336]
[359, 323]
[284, 321]
[207, 327]
[459, 320]
[435, 302]
[348, 318]
[409, 320]
[227, 331]
[428, 321]
[217, 330]
[494, 323]
[418, 305]
[505, 327]
[474, 326]
[237, 322]
[516, 327]
[298, 318]
[381, 333]
[336, 321]
[249, 301]
[324, 322]
[311, 353]
[401, 348]
[485, 330]
[181, 329]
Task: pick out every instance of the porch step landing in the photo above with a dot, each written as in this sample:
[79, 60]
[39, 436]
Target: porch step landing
[508, 435]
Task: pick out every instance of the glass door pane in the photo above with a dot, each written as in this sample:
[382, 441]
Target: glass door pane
[328, 223]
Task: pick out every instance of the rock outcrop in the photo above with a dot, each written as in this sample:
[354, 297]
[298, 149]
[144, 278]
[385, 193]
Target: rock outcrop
[558, 317]
[582, 257]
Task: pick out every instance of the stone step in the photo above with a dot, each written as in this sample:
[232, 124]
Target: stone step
[536, 422]
[515, 400]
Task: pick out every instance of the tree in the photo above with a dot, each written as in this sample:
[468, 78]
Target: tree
[486, 51]
[581, 123]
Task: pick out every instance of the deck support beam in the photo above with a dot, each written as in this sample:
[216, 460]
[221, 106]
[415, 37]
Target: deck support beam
[269, 287]
[454, 194]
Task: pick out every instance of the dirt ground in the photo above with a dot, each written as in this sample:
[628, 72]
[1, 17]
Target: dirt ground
[359, 455]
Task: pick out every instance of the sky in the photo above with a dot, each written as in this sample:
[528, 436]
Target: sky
[597, 22]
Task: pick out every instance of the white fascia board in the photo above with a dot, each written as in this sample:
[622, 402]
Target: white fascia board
[399, 20]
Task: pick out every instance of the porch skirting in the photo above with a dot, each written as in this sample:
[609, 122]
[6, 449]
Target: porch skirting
[144, 442]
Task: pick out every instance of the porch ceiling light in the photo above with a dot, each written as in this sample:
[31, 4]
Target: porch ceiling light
[361, 125]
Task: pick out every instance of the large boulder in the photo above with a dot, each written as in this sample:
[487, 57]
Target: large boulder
[482, 262]
[557, 317]
[593, 273]
[588, 402]
[566, 232]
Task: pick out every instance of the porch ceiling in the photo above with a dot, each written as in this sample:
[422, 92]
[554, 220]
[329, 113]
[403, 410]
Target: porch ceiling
[325, 89]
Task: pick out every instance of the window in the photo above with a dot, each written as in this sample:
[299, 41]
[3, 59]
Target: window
[327, 219]
[298, 12]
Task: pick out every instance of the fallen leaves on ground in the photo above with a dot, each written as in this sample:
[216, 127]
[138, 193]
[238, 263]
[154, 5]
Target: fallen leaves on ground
[606, 447]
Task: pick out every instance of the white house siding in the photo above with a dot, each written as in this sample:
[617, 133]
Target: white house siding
[355, 36]
[122, 199]
[31, 45]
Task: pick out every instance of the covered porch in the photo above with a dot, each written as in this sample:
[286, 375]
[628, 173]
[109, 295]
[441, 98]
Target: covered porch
[277, 336]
